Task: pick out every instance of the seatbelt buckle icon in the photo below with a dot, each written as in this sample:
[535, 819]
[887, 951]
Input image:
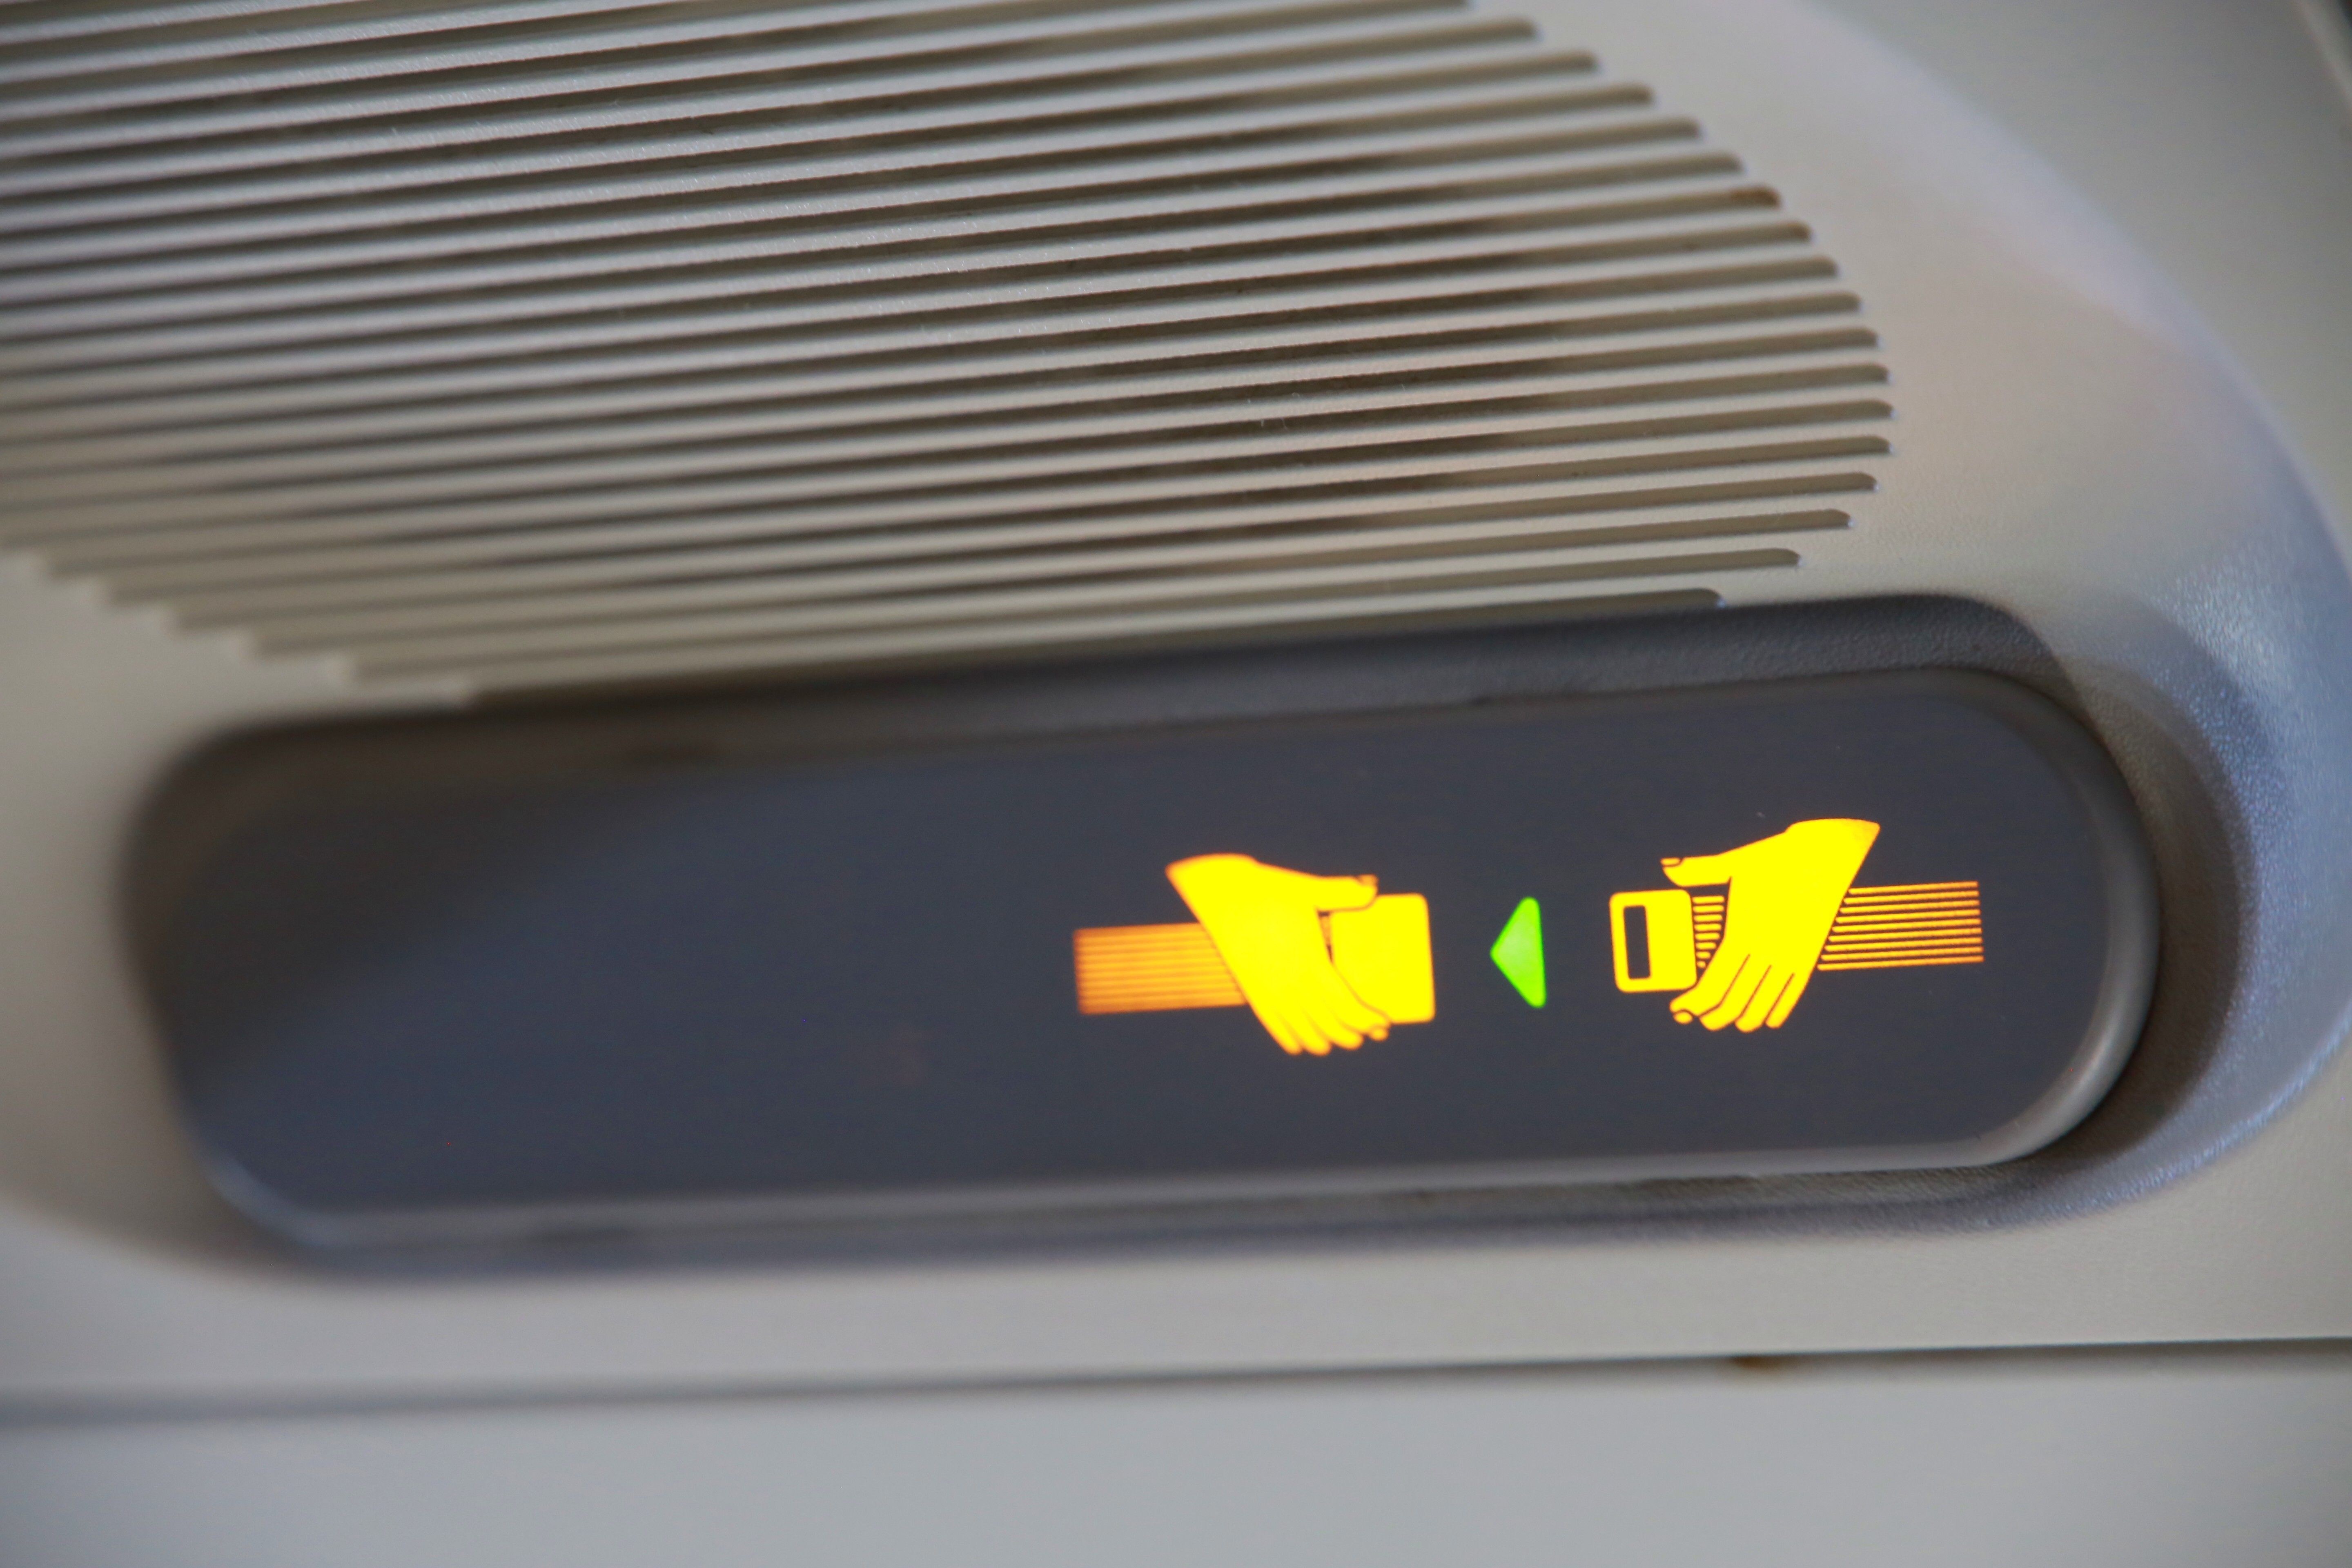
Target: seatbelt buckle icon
[1742, 934]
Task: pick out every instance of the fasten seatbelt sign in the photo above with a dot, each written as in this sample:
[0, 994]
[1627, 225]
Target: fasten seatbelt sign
[1868, 922]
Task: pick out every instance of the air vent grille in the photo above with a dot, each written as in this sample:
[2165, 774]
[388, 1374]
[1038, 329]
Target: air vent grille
[544, 344]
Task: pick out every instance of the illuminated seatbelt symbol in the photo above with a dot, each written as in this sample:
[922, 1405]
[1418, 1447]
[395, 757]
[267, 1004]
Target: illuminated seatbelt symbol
[1324, 962]
[1788, 908]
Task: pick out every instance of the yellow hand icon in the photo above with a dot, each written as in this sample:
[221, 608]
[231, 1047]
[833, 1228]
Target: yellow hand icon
[1784, 893]
[1267, 925]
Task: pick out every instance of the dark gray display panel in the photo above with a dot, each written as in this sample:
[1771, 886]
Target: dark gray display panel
[1852, 923]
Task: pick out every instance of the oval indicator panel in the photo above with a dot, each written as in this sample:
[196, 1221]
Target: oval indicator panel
[1869, 922]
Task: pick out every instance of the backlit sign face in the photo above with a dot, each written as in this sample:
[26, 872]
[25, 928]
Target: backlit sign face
[1868, 922]
[1327, 962]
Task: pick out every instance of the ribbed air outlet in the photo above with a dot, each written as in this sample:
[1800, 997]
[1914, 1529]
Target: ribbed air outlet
[552, 342]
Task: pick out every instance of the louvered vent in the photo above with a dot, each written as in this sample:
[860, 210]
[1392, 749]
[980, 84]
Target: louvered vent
[552, 341]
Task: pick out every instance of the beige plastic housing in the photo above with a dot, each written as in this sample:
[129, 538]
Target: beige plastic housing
[2116, 345]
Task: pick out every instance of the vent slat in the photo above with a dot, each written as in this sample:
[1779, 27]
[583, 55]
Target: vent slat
[1244, 101]
[70, 21]
[345, 145]
[759, 656]
[1389, 173]
[1213, 341]
[456, 83]
[447, 654]
[495, 600]
[619, 121]
[667, 44]
[300, 556]
[555, 342]
[885, 184]
[1563, 462]
[480, 28]
[1203, 338]
[835, 568]
[507, 495]
[850, 316]
[509, 459]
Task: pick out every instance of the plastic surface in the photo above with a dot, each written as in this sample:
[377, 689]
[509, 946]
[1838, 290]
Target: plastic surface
[2101, 1460]
[2118, 341]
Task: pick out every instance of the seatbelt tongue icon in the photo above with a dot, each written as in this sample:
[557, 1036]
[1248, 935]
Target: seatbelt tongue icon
[1325, 962]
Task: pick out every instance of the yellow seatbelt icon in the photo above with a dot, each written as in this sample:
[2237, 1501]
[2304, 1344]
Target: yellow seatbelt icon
[1325, 962]
[1328, 963]
[1788, 909]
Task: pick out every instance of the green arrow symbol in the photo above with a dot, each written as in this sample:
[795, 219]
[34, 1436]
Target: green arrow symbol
[1519, 951]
